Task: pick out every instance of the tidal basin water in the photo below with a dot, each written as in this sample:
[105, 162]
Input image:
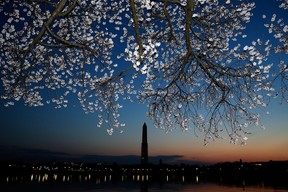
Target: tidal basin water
[202, 187]
[88, 183]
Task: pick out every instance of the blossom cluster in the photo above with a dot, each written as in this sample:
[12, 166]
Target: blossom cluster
[195, 67]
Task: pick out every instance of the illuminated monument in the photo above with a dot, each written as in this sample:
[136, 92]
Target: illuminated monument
[144, 146]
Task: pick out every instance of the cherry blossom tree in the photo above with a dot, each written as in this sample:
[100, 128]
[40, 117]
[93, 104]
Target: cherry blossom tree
[276, 26]
[184, 59]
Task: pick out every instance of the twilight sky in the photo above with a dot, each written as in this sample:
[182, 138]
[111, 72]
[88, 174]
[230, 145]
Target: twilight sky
[70, 131]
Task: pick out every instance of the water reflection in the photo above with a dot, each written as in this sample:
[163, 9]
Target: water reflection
[98, 179]
[145, 183]
[14, 179]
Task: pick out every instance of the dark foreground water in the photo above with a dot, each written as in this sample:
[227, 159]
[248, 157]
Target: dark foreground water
[136, 183]
[133, 187]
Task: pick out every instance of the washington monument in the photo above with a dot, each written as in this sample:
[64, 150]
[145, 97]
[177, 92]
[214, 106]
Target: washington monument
[144, 146]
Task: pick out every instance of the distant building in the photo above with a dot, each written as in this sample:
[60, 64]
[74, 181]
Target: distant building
[144, 146]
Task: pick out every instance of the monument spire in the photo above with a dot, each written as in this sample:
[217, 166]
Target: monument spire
[144, 146]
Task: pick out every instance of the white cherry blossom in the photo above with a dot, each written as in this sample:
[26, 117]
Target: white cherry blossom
[185, 59]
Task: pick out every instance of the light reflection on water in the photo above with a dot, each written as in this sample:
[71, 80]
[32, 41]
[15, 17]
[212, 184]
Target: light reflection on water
[44, 177]
[134, 183]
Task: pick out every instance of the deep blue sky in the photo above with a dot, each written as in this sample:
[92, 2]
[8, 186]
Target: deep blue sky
[70, 131]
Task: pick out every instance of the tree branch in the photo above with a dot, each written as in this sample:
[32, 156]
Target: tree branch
[58, 9]
[136, 27]
[188, 21]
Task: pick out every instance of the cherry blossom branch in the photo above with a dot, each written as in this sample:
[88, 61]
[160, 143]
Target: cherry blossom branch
[136, 28]
[57, 10]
